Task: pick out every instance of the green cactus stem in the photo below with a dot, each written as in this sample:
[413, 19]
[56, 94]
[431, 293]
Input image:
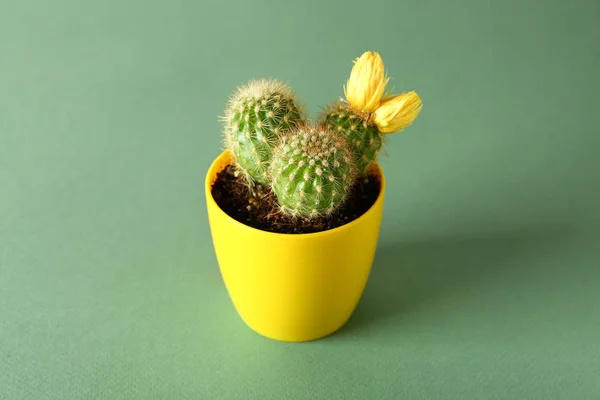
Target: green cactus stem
[361, 132]
[256, 115]
[312, 171]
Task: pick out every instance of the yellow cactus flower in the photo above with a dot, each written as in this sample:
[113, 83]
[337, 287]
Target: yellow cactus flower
[367, 82]
[397, 112]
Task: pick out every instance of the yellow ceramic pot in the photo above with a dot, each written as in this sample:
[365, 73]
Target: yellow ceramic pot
[293, 287]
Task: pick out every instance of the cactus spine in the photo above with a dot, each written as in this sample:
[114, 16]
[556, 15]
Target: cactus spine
[358, 127]
[257, 114]
[312, 172]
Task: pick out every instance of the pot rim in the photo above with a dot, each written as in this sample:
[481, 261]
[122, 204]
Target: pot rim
[226, 155]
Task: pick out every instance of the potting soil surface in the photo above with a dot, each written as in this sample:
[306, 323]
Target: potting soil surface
[260, 211]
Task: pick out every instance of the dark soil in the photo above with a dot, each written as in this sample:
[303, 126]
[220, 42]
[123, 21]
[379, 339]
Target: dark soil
[259, 210]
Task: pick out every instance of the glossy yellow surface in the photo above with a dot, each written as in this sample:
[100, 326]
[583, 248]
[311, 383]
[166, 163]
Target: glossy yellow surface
[293, 287]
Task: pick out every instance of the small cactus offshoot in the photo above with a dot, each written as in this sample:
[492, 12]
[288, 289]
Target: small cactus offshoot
[312, 172]
[257, 114]
[368, 112]
[359, 129]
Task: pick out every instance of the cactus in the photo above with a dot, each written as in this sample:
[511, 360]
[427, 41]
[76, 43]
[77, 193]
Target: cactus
[257, 114]
[361, 132]
[312, 171]
[308, 167]
[368, 114]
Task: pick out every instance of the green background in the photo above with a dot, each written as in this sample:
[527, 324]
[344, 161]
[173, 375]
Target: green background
[486, 283]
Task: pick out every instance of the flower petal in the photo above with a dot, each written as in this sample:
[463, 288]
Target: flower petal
[397, 112]
[366, 85]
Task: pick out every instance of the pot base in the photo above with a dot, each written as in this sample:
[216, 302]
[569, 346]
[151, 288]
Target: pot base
[298, 337]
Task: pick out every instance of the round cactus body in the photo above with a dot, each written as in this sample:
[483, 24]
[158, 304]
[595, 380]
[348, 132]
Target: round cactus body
[361, 132]
[312, 172]
[256, 116]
